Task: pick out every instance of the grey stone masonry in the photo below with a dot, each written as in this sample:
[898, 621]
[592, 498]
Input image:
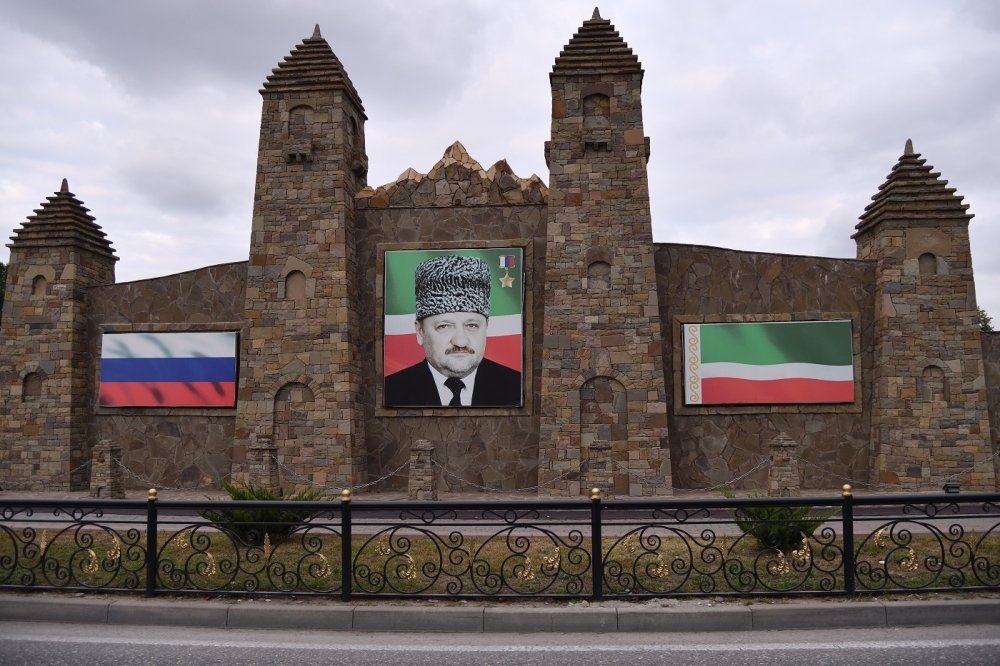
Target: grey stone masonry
[45, 375]
[602, 329]
[300, 374]
[930, 420]
[600, 468]
[783, 474]
[422, 483]
[262, 464]
[107, 478]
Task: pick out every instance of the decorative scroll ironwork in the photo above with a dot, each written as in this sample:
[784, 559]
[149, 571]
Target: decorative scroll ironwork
[518, 559]
[217, 559]
[932, 550]
[69, 548]
[659, 560]
[507, 548]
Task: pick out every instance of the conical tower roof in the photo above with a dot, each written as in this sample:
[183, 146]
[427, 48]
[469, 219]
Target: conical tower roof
[63, 220]
[913, 192]
[312, 65]
[596, 48]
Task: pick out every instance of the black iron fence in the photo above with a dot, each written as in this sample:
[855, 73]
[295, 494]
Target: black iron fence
[501, 549]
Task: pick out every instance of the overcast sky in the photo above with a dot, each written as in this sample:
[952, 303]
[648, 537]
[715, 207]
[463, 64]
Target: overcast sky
[772, 123]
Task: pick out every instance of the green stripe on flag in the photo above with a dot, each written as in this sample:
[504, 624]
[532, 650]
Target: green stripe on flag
[401, 264]
[768, 343]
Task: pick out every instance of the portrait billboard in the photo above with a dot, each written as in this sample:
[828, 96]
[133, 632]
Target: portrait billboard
[454, 327]
[790, 362]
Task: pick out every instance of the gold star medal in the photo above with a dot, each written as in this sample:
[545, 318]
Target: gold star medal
[506, 263]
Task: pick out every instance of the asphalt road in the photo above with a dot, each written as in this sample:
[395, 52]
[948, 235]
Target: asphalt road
[73, 644]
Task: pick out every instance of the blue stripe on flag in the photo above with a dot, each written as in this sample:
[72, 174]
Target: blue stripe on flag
[197, 369]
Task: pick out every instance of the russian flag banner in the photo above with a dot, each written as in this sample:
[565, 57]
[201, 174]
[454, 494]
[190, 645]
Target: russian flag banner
[168, 369]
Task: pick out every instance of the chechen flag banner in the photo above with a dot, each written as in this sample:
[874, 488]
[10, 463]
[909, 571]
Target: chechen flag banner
[506, 324]
[168, 369]
[768, 363]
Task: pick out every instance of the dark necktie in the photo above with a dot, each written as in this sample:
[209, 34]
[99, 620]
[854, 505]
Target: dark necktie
[456, 385]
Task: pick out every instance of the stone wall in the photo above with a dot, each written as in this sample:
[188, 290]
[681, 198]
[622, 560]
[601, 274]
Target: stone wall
[991, 363]
[173, 447]
[713, 445]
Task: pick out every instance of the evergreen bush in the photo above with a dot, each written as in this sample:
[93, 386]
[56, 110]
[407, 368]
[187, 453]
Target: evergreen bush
[779, 527]
[250, 525]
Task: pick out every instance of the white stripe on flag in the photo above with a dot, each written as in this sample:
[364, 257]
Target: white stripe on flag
[168, 345]
[834, 373]
[502, 325]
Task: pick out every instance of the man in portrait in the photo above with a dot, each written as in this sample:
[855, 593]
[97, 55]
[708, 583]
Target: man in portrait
[452, 317]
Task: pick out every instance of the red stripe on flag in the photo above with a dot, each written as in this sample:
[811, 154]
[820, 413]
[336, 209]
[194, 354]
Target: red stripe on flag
[728, 391]
[168, 394]
[505, 350]
[402, 351]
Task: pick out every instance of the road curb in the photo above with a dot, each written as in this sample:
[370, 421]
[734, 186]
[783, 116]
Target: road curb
[681, 619]
[506, 618]
[843, 615]
[932, 612]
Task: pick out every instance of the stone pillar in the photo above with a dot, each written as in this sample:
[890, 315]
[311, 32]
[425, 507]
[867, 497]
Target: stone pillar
[262, 464]
[783, 475]
[106, 477]
[422, 482]
[302, 301]
[600, 468]
[930, 421]
[601, 319]
[47, 351]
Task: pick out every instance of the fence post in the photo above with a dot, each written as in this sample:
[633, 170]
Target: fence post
[346, 561]
[847, 513]
[596, 557]
[152, 549]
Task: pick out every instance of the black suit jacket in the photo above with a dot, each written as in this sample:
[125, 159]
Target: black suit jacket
[496, 386]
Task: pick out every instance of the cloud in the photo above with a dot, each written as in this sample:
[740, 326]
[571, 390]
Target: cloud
[772, 123]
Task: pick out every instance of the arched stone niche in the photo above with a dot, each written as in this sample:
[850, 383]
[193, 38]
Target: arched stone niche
[604, 418]
[293, 427]
[933, 385]
[31, 387]
[598, 268]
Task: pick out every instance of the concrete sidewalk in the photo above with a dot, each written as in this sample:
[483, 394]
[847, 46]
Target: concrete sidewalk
[478, 617]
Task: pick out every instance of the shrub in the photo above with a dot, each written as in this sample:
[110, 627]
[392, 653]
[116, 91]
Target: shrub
[250, 525]
[780, 527]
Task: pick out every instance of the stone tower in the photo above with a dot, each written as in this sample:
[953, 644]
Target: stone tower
[602, 374]
[44, 381]
[930, 418]
[300, 371]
